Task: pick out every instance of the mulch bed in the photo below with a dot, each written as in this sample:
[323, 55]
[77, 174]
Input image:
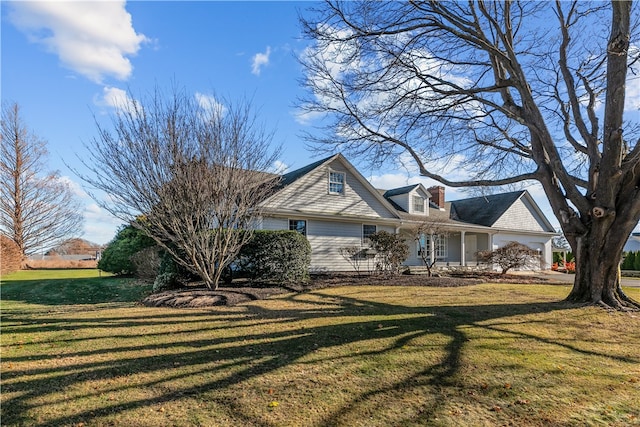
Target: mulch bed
[195, 295]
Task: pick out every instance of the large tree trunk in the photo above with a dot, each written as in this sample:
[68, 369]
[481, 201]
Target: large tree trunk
[597, 259]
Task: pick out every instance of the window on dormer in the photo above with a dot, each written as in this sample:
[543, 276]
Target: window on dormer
[418, 204]
[336, 182]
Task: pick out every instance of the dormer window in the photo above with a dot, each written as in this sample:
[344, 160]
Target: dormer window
[336, 182]
[418, 204]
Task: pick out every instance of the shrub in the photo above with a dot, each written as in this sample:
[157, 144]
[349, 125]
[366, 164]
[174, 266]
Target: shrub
[511, 255]
[391, 251]
[116, 258]
[10, 256]
[276, 257]
[146, 262]
[171, 275]
[356, 256]
[636, 263]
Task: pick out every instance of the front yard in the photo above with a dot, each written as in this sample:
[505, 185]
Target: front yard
[81, 351]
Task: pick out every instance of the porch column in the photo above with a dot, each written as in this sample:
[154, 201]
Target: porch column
[432, 249]
[463, 261]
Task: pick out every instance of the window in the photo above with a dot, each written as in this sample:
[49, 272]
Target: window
[367, 231]
[336, 182]
[439, 246]
[299, 225]
[418, 204]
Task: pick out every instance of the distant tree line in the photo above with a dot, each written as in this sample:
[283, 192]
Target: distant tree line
[631, 261]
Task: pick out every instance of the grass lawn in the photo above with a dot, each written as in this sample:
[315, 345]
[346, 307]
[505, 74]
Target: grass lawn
[79, 351]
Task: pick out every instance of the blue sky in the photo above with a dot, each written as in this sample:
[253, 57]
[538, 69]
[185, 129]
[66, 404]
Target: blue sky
[67, 63]
[233, 49]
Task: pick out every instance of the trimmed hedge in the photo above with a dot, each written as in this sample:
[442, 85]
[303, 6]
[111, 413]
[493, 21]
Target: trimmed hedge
[10, 256]
[281, 256]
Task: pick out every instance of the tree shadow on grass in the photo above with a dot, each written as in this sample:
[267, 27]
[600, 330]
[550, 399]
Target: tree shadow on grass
[74, 291]
[204, 366]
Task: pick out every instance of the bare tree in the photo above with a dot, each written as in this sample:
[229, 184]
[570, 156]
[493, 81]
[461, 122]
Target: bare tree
[193, 174]
[428, 235]
[505, 92]
[510, 256]
[355, 256]
[37, 208]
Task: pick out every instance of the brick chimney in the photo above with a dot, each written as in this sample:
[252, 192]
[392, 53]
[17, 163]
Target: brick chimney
[437, 195]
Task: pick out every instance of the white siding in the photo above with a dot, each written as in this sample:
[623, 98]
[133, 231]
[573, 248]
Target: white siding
[270, 223]
[310, 194]
[401, 200]
[520, 216]
[326, 238]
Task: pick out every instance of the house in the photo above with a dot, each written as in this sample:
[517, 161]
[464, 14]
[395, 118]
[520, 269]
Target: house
[334, 206]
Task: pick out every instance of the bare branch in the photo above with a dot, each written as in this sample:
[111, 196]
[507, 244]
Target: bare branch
[194, 177]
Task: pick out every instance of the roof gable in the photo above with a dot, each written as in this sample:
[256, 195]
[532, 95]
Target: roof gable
[512, 210]
[305, 190]
[483, 210]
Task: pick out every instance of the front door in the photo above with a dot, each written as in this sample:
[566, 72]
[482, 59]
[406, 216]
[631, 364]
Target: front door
[470, 248]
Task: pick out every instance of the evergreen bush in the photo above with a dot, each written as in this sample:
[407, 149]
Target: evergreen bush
[276, 257]
[116, 258]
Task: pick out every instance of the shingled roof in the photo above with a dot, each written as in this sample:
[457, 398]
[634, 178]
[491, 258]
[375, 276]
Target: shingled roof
[292, 176]
[401, 190]
[484, 210]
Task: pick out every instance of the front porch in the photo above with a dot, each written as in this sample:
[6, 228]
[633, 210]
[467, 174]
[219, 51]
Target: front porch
[453, 249]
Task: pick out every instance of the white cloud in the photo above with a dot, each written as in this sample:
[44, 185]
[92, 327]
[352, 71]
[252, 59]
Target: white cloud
[260, 60]
[116, 98]
[99, 226]
[279, 167]
[210, 105]
[94, 39]
[76, 188]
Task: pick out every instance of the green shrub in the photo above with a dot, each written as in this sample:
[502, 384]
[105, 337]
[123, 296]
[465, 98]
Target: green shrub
[276, 257]
[171, 275]
[636, 263]
[116, 258]
[146, 262]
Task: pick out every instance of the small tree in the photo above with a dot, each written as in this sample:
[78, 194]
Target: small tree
[427, 234]
[391, 251]
[195, 171]
[354, 255]
[636, 262]
[512, 255]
